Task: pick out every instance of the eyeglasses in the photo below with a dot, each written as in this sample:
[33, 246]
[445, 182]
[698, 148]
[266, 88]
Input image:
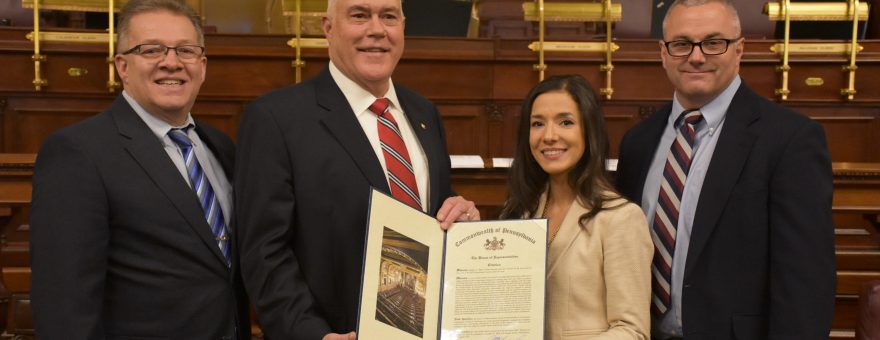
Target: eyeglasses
[684, 48]
[187, 53]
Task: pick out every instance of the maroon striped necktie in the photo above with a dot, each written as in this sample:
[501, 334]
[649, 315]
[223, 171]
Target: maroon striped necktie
[401, 177]
[663, 232]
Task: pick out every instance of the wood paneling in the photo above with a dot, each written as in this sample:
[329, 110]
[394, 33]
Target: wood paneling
[850, 282]
[28, 120]
[858, 260]
[477, 83]
[478, 86]
[465, 123]
[845, 312]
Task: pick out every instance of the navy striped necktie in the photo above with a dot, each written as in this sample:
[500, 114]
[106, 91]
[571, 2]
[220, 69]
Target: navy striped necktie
[665, 226]
[204, 190]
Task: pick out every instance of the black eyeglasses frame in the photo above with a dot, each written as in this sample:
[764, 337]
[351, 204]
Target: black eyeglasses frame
[137, 48]
[727, 43]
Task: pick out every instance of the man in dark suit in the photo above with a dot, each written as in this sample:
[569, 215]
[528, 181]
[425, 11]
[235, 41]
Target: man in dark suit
[737, 190]
[129, 232]
[308, 155]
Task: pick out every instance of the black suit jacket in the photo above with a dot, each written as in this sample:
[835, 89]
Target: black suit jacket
[120, 247]
[305, 168]
[761, 258]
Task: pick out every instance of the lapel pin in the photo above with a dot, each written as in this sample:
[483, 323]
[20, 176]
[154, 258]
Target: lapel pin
[424, 127]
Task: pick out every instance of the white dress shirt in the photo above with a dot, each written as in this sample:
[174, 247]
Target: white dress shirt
[360, 101]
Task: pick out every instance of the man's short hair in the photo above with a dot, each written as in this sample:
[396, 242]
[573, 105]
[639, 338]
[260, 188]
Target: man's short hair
[135, 7]
[332, 3]
[691, 3]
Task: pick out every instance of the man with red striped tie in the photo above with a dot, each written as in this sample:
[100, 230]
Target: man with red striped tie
[309, 155]
[737, 191]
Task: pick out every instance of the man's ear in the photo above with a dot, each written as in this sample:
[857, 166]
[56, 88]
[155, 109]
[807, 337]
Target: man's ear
[121, 67]
[741, 47]
[663, 53]
[204, 65]
[326, 25]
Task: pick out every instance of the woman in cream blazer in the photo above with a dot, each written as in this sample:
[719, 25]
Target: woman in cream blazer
[598, 273]
[598, 276]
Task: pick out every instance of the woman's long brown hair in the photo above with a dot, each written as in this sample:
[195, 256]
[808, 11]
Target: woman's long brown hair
[589, 179]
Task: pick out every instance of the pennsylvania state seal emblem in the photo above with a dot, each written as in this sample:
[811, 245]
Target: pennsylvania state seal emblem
[494, 244]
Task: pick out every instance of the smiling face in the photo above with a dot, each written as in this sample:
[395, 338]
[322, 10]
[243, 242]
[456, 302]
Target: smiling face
[366, 40]
[556, 133]
[165, 86]
[699, 78]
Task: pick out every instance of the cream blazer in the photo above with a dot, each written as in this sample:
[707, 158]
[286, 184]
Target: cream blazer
[599, 276]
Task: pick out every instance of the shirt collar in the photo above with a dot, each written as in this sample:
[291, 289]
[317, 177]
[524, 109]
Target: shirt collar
[358, 98]
[714, 111]
[159, 127]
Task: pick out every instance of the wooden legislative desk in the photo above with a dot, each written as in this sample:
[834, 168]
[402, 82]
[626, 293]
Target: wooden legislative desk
[478, 85]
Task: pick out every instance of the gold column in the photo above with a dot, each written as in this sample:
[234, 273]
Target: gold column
[606, 12]
[37, 58]
[819, 11]
[850, 92]
[297, 29]
[607, 91]
[541, 67]
[112, 84]
[784, 91]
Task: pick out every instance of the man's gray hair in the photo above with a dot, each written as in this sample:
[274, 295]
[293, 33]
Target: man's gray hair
[135, 7]
[332, 3]
[734, 15]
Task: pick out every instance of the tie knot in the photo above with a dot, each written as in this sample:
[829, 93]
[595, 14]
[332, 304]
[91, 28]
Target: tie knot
[380, 106]
[178, 135]
[692, 117]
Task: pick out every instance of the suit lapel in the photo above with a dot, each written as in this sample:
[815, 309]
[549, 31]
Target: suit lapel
[647, 143]
[342, 123]
[418, 118]
[211, 140]
[730, 155]
[569, 231]
[142, 145]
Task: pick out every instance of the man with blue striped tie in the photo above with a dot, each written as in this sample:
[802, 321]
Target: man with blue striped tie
[132, 208]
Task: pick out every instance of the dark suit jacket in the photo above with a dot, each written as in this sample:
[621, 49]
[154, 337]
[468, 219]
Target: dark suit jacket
[305, 168]
[120, 248]
[761, 257]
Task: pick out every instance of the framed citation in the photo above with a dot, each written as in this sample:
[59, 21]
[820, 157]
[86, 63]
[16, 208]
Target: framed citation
[478, 280]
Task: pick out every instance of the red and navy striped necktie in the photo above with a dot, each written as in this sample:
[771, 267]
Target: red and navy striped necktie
[665, 226]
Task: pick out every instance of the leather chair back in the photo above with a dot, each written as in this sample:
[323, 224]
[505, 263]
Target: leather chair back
[868, 323]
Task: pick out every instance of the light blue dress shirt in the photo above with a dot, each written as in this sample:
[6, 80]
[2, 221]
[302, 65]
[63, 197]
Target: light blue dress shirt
[708, 132]
[210, 165]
